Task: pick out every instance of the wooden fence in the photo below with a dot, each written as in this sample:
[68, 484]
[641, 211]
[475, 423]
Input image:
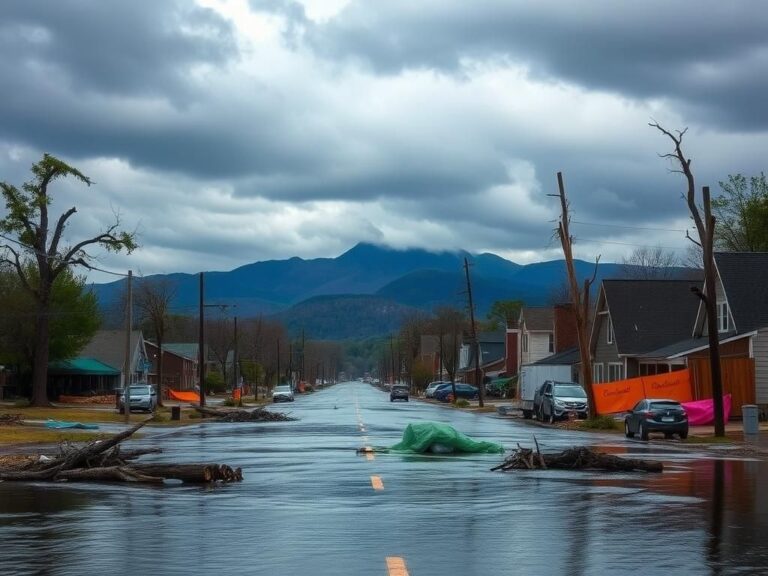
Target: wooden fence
[738, 376]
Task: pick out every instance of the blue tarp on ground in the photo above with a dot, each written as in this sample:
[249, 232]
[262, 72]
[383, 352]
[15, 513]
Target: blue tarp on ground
[61, 424]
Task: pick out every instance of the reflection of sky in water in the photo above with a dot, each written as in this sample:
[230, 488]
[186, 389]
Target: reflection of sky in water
[306, 506]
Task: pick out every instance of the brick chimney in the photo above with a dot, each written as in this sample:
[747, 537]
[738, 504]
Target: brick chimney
[565, 328]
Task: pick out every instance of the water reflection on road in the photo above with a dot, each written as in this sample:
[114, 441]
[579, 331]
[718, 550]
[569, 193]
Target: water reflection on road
[307, 505]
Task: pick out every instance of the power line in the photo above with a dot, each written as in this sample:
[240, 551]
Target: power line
[627, 227]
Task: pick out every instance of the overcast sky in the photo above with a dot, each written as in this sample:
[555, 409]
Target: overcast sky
[227, 132]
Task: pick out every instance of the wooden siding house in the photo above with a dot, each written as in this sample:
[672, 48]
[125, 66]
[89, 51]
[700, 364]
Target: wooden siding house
[180, 372]
[742, 320]
[635, 317]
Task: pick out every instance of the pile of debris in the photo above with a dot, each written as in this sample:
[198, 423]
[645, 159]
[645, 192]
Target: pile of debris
[240, 415]
[11, 419]
[578, 458]
[104, 461]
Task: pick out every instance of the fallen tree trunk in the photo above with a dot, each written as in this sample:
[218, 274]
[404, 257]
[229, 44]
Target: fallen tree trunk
[103, 461]
[239, 415]
[580, 458]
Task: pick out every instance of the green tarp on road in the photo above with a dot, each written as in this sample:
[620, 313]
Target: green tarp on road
[441, 439]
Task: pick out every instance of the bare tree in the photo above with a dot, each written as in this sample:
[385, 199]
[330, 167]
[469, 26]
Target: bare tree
[579, 297]
[449, 323]
[411, 330]
[646, 263]
[705, 226]
[153, 300]
[28, 226]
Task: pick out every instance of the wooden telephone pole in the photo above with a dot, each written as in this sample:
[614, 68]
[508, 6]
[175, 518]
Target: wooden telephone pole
[473, 336]
[579, 298]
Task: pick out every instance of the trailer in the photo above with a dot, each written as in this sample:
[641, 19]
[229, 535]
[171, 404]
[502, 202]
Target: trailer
[532, 376]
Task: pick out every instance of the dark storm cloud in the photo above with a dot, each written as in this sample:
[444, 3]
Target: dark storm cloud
[709, 55]
[141, 47]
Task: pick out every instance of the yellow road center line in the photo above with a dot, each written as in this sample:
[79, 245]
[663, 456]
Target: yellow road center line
[377, 483]
[396, 566]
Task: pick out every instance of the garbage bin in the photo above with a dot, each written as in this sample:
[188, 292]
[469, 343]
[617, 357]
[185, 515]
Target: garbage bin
[749, 418]
[175, 412]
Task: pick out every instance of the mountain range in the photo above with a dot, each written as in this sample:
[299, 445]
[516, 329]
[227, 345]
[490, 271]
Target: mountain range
[365, 291]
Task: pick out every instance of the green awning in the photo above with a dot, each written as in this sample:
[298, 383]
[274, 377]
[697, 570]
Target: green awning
[84, 366]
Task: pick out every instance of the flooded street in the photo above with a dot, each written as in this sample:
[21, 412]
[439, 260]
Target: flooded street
[308, 505]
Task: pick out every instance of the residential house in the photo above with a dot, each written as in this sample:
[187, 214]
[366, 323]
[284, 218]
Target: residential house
[634, 318]
[109, 347]
[741, 295]
[180, 372]
[492, 357]
[538, 333]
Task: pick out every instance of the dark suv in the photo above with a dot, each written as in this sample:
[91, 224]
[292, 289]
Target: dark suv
[398, 392]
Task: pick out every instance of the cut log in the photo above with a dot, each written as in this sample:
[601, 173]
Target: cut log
[193, 473]
[108, 474]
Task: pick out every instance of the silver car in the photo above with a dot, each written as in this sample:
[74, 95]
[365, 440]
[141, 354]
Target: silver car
[143, 397]
[282, 393]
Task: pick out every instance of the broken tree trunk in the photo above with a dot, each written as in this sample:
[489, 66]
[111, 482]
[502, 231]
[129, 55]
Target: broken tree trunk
[580, 458]
[103, 461]
[239, 415]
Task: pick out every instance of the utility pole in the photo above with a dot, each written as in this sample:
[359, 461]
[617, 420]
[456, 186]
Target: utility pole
[201, 352]
[290, 363]
[128, 330]
[580, 299]
[236, 367]
[278, 362]
[473, 335]
[303, 357]
[392, 354]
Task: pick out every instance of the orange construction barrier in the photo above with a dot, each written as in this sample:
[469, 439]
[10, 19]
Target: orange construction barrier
[236, 394]
[622, 395]
[184, 396]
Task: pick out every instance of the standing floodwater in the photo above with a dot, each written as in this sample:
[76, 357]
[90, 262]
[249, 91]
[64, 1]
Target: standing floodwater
[308, 505]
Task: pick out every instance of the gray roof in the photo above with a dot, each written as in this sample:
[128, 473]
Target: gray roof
[745, 280]
[108, 346]
[539, 318]
[567, 357]
[687, 346]
[182, 349]
[650, 314]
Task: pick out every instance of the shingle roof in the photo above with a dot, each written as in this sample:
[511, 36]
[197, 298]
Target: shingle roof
[108, 346]
[650, 314]
[539, 318]
[183, 349]
[745, 280]
[567, 357]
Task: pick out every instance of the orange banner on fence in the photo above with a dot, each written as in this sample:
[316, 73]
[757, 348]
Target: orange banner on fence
[622, 395]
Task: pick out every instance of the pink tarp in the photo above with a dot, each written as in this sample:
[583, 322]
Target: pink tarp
[702, 412]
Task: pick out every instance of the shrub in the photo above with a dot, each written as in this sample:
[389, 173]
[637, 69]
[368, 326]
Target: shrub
[461, 403]
[22, 403]
[214, 383]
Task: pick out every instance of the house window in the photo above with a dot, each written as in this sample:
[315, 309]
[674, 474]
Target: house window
[525, 342]
[551, 343]
[722, 316]
[615, 371]
[609, 330]
[597, 372]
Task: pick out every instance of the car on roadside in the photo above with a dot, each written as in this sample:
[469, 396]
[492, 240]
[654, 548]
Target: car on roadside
[282, 393]
[656, 415]
[466, 391]
[142, 397]
[556, 400]
[429, 391]
[398, 392]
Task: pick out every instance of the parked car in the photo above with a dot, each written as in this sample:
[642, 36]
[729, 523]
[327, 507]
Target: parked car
[282, 393]
[429, 391]
[555, 400]
[656, 415]
[398, 392]
[445, 393]
[142, 397]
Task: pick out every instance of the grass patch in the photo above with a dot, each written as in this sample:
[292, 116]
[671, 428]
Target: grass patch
[32, 435]
[708, 440]
[599, 423]
[461, 403]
